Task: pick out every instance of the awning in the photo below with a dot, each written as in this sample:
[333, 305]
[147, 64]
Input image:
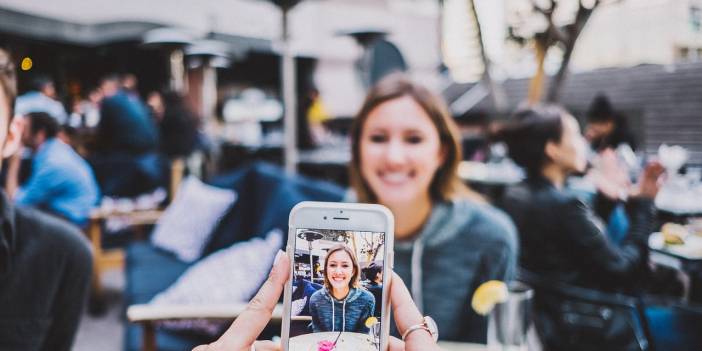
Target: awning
[38, 27]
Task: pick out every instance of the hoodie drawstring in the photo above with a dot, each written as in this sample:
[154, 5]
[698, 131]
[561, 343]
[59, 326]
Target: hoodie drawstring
[333, 308]
[416, 273]
[343, 316]
[343, 313]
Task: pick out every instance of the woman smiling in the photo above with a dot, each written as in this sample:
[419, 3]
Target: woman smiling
[341, 305]
[448, 241]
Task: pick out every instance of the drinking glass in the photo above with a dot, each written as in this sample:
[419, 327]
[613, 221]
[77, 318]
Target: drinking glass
[509, 321]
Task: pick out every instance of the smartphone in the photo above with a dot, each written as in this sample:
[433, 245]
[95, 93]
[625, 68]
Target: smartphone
[341, 254]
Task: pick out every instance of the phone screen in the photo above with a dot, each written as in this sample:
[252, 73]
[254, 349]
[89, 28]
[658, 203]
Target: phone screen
[337, 290]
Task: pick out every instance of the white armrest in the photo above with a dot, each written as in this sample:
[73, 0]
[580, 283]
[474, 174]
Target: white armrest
[148, 312]
[301, 318]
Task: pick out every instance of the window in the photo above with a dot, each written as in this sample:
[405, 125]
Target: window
[696, 18]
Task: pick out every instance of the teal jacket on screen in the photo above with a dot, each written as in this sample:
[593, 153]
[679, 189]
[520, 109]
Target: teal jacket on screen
[349, 315]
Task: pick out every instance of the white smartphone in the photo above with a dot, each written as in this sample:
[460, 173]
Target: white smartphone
[340, 254]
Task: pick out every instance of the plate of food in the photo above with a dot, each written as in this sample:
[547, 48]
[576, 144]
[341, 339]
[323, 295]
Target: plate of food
[678, 240]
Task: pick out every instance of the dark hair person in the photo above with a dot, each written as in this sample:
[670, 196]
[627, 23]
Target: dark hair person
[560, 238]
[45, 263]
[374, 274]
[405, 152]
[606, 127]
[341, 305]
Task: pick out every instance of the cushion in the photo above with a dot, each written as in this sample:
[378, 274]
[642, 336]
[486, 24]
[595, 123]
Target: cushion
[186, 225]
[231, 275]
[149, 271]
[265, 196]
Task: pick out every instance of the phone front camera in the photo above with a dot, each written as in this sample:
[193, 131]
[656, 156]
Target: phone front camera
[341, 211]
[325, 217]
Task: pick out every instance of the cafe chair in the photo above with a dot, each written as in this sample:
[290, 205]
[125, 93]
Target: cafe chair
[572, 318]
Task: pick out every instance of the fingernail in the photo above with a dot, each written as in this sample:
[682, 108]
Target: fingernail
[278, 255]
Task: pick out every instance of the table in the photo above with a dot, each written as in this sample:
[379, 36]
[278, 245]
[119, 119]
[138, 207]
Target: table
[347, 341]
[355, 341]
[686, 258]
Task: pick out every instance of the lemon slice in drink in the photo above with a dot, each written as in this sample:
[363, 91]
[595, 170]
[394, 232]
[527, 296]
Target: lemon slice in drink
[487, 295]
[371, 321]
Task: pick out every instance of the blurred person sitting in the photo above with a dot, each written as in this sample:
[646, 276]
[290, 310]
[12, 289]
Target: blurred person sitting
[129, 83]
[45, 263]
[42, 98]
[560, 236]
[86, 112]
[374, 274]
[125, 161]
[562, 240]
[176, 122]
[61, 181]
[607, 128]
[317, 115]
[607, 131]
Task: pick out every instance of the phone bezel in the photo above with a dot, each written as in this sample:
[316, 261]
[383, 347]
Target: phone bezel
[357, 217]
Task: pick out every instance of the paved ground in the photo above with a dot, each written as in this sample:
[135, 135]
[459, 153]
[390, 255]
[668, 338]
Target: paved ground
[104, 333]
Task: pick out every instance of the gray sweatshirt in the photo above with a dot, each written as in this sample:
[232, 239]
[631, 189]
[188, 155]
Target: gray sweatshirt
[462, 245]
[350, 314]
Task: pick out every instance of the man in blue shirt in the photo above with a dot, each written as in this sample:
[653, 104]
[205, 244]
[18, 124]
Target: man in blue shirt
[41, 99]
[61, 182]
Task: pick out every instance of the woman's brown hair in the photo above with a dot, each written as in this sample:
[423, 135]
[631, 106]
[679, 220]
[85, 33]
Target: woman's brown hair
[355, 277]
[8, 81]
[446, 185]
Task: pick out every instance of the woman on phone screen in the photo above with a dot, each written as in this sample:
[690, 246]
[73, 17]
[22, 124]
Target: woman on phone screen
[342, 305]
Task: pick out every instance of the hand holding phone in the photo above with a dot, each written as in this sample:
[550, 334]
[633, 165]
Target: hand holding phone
[336, 298]
[244, 331]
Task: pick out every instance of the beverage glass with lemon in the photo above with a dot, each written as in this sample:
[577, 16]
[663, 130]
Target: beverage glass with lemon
[508, 308]
[509, 321]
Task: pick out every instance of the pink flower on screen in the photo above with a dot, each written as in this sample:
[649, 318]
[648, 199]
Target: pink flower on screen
[325, 345]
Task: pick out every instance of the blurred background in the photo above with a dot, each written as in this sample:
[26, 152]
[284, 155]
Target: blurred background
[230, 82]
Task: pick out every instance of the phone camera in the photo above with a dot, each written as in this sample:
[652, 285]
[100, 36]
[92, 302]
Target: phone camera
[341, 211]
[325, 217]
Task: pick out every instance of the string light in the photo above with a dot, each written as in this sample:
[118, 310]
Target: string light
[26, 64]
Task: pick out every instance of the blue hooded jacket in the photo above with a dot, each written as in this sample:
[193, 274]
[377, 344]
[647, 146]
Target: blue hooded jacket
[349, 314]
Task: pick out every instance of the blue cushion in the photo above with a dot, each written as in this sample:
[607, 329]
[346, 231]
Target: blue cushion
[675, 327]
[265, 196]
[148, 272]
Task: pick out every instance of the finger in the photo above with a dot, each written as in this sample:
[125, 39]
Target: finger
[201, 348]
[246, 328]
[266, 346]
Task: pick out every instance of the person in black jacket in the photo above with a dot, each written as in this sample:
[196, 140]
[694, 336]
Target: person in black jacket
[45, 262]
[561, 238]
[374, 273]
